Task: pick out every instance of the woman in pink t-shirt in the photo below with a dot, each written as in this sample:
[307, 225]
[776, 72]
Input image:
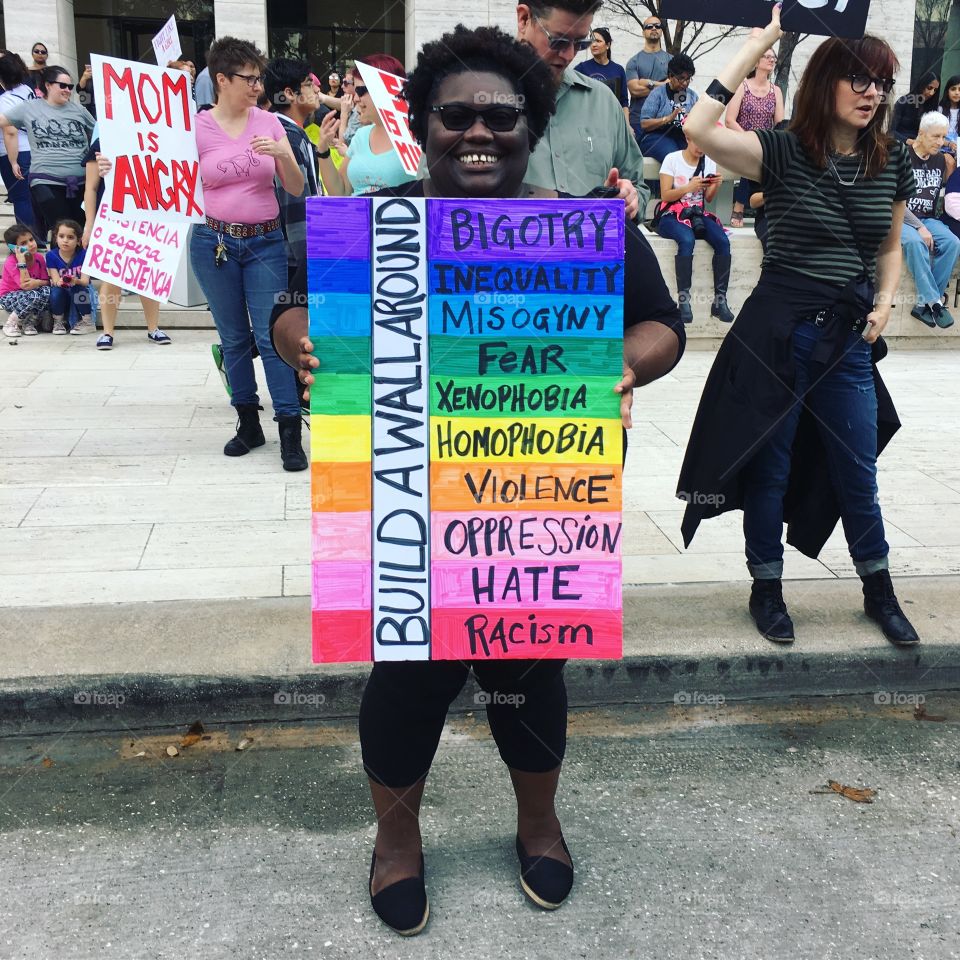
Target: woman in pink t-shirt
[239, 255]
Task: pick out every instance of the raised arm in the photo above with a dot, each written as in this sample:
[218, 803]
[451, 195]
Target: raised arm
[736, 150]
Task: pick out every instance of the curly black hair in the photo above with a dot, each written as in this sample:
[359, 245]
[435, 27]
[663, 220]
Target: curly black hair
[486, 50]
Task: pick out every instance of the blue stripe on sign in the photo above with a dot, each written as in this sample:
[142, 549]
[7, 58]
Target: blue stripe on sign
[348, 276]
[458, 277]
[521, 315]
[340, 315]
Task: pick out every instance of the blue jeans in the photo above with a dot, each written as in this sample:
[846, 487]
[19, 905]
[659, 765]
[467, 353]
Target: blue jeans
[62, 297]
[930, 279]
[843, 401]
[658, 145]
[671, 228]
[18, 193]
[744, 190]
[241, 294]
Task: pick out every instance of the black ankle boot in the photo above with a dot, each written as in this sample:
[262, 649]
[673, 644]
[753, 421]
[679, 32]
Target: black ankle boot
[291, 451]
[721, 282]
[684, 268]
[249, 433]
[769, 612]
[880, 604]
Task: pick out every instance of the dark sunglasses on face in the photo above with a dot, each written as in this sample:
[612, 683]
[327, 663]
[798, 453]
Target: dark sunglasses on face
[63, 86]
[860, 83]
[460, 117]
[361, 91]
[40, 53]
[653, 26]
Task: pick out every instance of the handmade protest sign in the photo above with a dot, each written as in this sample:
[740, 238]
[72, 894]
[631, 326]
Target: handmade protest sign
[166, 44]
[140, 255]
[146, 118]
[828, 18]
[385, 91]
[466, 445]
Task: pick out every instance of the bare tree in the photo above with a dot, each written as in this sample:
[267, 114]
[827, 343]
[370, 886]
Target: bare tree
[687, 36]
[932, 18]
[788, 44]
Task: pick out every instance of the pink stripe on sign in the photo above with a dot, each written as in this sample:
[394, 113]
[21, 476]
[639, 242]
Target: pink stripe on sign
[532, 537]
[501, 634]
[341, 536]
[529, 584]
[341, 586]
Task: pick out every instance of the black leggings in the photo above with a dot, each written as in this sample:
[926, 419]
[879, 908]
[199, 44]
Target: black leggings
[405, 704]
[54, 205]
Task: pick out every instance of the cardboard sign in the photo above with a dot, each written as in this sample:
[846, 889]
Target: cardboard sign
[141, 255]
[827, 18]
[166, 44]
[385, 91]
[146, 117]
[466, 446]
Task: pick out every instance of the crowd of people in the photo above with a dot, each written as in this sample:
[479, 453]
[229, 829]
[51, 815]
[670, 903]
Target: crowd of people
[794, 412]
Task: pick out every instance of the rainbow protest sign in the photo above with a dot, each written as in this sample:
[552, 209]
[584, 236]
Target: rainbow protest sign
[466, 444]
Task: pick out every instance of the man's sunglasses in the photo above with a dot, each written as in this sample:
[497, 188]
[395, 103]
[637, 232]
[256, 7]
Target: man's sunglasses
[63, 86]
[860, 83]
[460, 117]
[361, 91]
[560, 44]
[653, 26]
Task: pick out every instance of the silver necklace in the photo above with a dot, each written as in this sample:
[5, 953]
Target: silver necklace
[836, 172]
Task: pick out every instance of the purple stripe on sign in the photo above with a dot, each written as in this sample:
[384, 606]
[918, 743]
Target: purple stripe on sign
[338, 228]
[544, 230]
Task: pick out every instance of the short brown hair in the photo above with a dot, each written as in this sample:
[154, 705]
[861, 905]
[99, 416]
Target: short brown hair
[813, 110]
[229, 55]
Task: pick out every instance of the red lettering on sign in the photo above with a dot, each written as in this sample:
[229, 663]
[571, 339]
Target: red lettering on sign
[147, 101]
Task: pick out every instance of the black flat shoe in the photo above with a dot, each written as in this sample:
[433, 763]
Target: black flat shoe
[544, 880]
[403, 906]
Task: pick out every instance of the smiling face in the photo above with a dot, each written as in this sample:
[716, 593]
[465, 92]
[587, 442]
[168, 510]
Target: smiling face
[558, 24]
[477, 162]
[57, 94]
[368, 112]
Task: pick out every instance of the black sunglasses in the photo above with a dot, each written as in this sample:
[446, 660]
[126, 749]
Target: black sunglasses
[360, 91]
[63, 86]
[460, 117]
[860, 83]
[40, 51]
[653, 26]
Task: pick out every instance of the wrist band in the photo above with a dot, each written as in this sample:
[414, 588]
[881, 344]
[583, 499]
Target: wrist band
[325, 155]
[717, 91]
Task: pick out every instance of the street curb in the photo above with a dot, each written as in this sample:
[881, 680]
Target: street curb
[119, 666]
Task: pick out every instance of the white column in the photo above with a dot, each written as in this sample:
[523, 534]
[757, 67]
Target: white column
[50, 22]
[244, 19]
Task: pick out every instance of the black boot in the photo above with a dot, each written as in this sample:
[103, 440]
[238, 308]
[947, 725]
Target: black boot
[684, 268]
[291, 452]
[880, 604]
[249, 434]
[721, 283]
[769, 612]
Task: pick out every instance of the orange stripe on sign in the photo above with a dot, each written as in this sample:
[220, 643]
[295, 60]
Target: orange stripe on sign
[340, 487]
[560, 487]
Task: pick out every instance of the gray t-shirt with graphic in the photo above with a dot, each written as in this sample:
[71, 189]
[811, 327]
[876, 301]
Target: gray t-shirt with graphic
[59, 137]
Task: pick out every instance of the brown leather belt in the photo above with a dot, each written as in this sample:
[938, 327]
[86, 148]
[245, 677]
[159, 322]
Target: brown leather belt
[243, 231]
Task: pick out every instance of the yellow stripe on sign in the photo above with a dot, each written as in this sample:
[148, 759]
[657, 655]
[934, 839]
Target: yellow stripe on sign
[339, 439]
[526, 440]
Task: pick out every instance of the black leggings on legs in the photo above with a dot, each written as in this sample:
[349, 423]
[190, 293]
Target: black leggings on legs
[405, 704]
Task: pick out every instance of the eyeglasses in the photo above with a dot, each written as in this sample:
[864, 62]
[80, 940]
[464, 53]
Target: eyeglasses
[361, 91]
[461, 116]
[40, 52]
[560, 44]
[653, 26]
[860, 83]
[63, 86]
[252, 79]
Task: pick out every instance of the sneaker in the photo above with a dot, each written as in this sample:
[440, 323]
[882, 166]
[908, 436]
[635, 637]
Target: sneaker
[12, 327]
[924, 314]
[217, 352]
[82, 326]
[104, 342]
[59, 327]
[29, 328]
[942, 317]
[158, 336]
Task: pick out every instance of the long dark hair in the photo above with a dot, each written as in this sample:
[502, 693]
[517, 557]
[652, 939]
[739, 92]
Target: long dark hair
[813, 110]
[13, 71]
[916, 93]
[945, 105]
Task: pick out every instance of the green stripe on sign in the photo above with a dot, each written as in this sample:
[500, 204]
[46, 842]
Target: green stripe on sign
[342, 354]
[491, 397]
[341, 394]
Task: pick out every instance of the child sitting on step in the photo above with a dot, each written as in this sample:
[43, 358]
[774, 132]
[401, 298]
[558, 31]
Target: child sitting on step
[24, 284]
[68, 284]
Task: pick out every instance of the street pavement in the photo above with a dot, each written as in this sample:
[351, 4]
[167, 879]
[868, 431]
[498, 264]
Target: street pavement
[698, 832]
